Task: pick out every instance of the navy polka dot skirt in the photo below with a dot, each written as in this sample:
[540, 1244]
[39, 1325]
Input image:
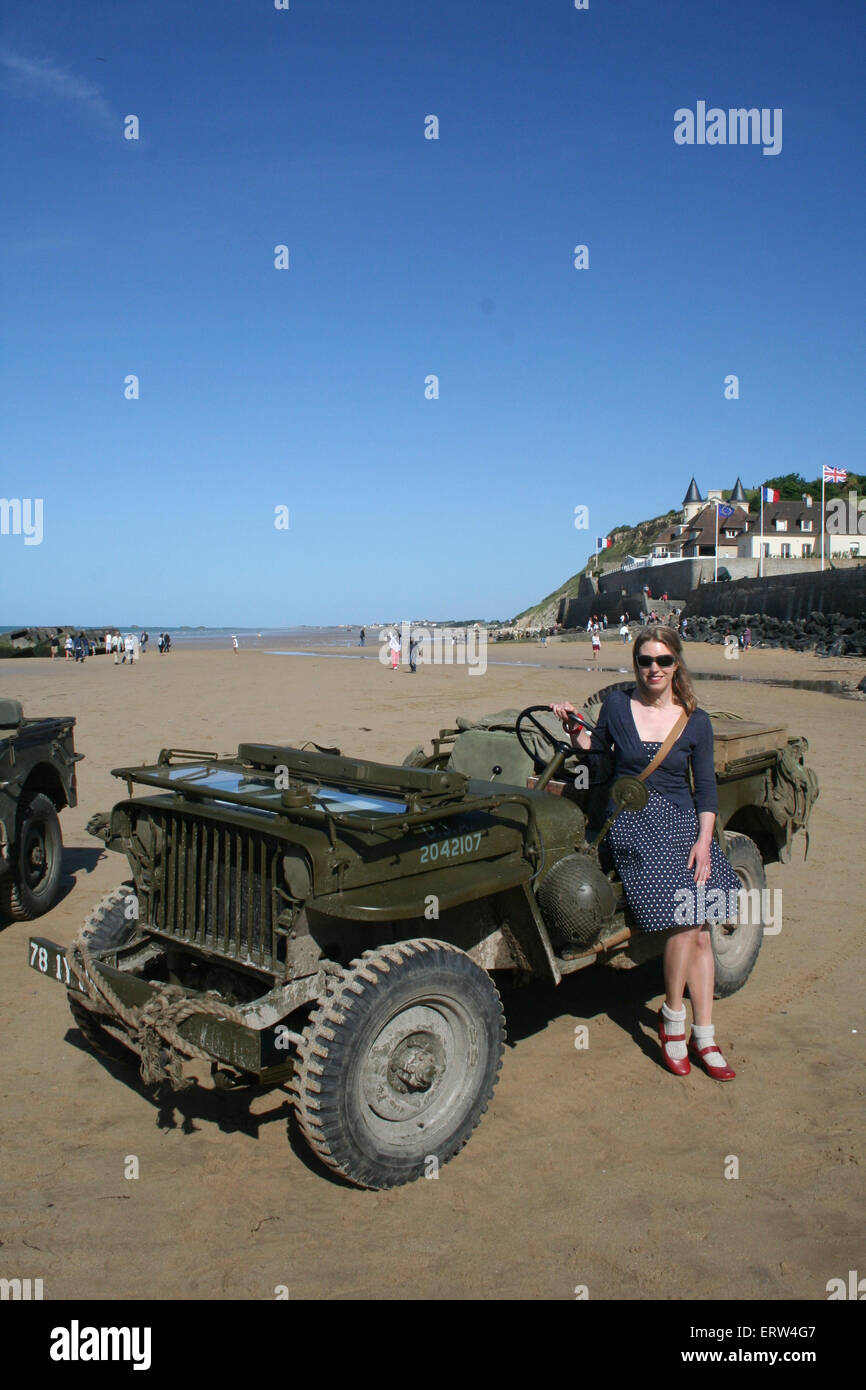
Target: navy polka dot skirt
[650, 850]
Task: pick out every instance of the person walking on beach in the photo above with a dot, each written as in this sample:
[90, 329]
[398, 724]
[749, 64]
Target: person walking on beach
[625, 632]
[145, 638]
[234, 645]
[108, 643]
[115, 647]
[168, 642]
[413, 654]
[596, 644]
[394, 646]
[665, 854]
[362, 637]
[54, 645]
[67, 647]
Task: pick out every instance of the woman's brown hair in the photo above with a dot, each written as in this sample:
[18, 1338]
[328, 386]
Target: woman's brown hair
[681, 685]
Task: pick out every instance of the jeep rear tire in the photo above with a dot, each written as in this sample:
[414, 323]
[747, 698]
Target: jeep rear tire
[29, 889]
[398, 1065]
[736, 948]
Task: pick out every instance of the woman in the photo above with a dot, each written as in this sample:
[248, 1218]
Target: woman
[665, 854]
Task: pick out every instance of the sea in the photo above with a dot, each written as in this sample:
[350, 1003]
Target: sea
[263, 637]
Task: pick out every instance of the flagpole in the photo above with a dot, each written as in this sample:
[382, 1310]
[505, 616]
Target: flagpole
[716, 564]
[822, 518]
[761, 553]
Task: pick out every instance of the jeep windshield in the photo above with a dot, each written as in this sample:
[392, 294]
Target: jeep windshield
[325, 798]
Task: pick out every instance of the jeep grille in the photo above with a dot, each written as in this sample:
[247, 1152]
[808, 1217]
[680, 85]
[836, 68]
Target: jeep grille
[213, 885]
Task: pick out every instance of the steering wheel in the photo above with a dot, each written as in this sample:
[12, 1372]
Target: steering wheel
[558, 745]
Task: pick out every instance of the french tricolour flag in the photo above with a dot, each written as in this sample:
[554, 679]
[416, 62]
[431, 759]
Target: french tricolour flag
[769, 494]
[602, 542]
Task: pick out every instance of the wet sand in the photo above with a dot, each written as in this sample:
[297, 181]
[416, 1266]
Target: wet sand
[592, 1167]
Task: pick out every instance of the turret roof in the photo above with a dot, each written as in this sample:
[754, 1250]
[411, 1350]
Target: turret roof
[693, 494]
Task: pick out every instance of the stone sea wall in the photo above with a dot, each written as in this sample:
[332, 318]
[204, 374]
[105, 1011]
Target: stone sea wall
[791, 597]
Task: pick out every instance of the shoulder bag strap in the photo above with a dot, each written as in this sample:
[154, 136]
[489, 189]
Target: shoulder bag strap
[665, 748]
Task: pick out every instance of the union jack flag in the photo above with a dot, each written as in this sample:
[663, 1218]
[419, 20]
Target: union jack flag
[835, 475]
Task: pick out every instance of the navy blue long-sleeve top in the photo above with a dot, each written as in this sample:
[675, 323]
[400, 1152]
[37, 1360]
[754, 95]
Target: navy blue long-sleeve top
[617, 730]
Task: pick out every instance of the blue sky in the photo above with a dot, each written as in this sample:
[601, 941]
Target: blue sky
[408, 257]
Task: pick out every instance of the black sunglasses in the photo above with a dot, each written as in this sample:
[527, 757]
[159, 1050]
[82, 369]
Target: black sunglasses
[659, 660]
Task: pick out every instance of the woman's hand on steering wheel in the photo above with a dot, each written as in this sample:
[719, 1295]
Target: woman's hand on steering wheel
[576, 726]
[569, 717]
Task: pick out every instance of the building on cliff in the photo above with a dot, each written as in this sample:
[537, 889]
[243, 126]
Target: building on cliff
[791, 530]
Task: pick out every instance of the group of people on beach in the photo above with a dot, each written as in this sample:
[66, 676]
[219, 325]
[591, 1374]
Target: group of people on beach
[395, 647]
[77, 646]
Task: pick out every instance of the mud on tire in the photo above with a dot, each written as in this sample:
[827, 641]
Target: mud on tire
[107, 928]
[398, 1065]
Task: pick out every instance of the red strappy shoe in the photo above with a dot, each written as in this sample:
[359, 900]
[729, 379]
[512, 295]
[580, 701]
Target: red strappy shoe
[724, 1073]
[681, 1068]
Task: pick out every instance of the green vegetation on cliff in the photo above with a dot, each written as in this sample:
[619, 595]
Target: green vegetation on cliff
[627, 540]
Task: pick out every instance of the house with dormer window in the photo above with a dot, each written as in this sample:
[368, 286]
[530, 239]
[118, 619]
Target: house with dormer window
[792, 532]
[695, 535]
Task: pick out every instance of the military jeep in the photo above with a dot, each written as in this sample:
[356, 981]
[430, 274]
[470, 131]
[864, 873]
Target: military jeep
[37, 779]
[299, 917]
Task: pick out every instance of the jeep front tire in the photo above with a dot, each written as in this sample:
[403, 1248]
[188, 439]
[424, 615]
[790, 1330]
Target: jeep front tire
[398, 1065]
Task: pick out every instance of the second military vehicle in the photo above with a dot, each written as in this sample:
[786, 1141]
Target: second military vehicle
[37, 779]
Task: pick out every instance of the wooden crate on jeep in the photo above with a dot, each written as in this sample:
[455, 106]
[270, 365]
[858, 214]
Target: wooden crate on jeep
[736, 739]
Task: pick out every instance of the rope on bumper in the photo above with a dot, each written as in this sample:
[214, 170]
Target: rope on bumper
[154, 1026]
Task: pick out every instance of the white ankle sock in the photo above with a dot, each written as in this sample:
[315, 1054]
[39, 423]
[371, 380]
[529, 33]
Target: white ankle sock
[704, 1035]
[675, 1023]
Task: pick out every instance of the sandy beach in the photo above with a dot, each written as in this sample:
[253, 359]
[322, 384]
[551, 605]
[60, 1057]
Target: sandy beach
[589, 1164]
